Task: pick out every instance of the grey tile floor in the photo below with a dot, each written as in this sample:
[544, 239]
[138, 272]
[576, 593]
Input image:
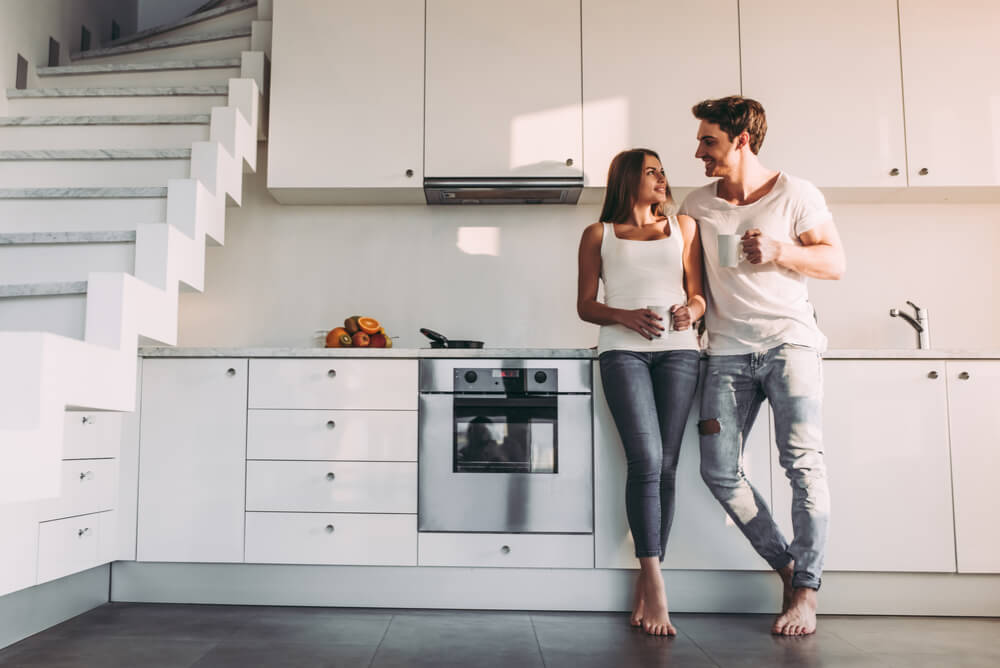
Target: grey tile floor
[154, 636]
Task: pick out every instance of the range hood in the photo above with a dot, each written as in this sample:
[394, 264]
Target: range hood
[506, 190]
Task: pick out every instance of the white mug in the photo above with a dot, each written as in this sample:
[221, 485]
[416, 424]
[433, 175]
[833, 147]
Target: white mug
[665, 313]
[730, 250]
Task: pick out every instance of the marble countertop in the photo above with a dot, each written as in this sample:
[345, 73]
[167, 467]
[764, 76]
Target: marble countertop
[537, 353]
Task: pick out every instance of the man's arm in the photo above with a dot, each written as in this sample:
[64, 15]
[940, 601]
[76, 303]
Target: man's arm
[821, 254]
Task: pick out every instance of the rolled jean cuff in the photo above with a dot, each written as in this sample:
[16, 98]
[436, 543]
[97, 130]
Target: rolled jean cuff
[645, 554]
[806, 581]
[779, 562]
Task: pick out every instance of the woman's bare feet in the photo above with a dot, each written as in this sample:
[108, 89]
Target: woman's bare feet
[655, 618]
[799, 618]
[637, 604]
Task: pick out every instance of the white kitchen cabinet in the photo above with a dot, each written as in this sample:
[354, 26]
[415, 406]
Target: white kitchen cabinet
[344, 487]
[346, 99]
[88, 486]
[885, 437]
[74, 544]
[645, 64]
[703, 536]
[333, 384]
[89, 435]
[973, 388]
[950, 53]
[828, 75]
[192, 456]
[385, 435]
[506, 550]
[19, 553]
[503, 89]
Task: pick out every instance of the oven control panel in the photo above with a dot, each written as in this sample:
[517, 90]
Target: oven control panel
[508, 380]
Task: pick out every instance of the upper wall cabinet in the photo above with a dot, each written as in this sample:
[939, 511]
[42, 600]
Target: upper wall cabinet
[827, 73]
[645, 64]
[503, 88]
[952, 91]
[346, 106]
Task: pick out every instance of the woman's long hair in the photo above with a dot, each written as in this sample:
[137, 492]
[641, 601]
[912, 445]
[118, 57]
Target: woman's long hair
[624, 175]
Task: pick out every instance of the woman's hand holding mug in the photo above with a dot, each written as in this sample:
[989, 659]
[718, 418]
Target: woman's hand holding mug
[645, 321]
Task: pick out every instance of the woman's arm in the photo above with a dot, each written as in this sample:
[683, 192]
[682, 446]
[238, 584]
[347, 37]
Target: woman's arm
[685, 314]
[643, 321]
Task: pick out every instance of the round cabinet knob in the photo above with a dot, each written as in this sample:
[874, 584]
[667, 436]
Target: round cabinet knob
[330, 424]
[230, 372]
[471, 376]
[87, 419]
[409, 173]
[541, 376]
[329, 528]
[894, 171]
[86, 475]
[923, 171]
[332, 373]
[964, 375]
[83, 532]
[569, 162]
[932, 375]
[505, 549]
[330, 476]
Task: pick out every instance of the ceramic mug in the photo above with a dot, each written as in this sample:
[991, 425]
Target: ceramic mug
[730, 250]
[665, 313]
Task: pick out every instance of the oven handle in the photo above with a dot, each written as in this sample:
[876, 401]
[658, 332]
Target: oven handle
[500, 400]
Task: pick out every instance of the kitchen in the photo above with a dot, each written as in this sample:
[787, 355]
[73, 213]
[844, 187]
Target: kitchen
[506, 275]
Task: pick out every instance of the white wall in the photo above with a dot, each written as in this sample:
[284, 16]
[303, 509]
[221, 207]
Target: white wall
[286, 271]
[26, 25]
[157, 12]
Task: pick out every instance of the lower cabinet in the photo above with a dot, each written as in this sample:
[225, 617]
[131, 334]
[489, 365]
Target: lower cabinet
[74, 544]
[347, 487]
[507, 550]
[331, 538]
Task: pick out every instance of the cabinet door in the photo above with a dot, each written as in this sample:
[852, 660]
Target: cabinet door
[645, 64]
[885, 439]
[827, 73]
[503, 88]
[192, 460]
[19, 553]
[346, 100]
[703, 537]
[950, 53]
[973, 388]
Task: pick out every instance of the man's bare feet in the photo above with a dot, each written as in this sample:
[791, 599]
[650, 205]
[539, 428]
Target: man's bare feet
[787, 589]
[799, 618]
[655, 618]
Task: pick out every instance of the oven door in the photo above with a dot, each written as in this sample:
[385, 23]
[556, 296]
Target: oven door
[492, 463]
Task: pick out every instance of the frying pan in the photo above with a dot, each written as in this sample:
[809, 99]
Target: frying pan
[440, 341]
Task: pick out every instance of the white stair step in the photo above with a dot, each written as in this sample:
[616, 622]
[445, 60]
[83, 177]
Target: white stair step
[41, 263]
[99, 172]
[56, 308]
[65, 214]
[116, 100]
[214, 45]
[206, 72]
[226, 17]
[83, 132]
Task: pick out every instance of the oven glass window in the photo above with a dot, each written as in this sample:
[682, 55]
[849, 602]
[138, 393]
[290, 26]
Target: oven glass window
[504, 439]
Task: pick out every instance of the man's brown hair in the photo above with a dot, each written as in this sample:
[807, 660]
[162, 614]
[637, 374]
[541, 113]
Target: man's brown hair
[734, 115]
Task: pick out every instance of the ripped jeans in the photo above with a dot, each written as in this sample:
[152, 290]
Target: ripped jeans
[790, 377]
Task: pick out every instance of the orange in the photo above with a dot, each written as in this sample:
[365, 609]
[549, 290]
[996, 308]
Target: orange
[368, 325]
[338, 338]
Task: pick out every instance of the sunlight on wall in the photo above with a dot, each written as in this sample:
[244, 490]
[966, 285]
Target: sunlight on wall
[542, 141]
[611, 115]
[995, 132]
[479, 240]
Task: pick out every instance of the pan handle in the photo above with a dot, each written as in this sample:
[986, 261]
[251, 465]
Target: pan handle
[434, 336]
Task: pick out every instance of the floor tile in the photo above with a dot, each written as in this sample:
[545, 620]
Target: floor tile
[246, 654]
[920, 635]
[752, 633]
[316, 626]
[110, 652]
[192, 622]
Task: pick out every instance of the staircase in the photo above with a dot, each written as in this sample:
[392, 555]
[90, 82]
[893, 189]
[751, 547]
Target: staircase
[114, 173]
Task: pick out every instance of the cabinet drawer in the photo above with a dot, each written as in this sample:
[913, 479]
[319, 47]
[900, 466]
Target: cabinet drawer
[88, 486]
[88, 435]
[333, 538]
[333, 383]
[74, 544]
[343, 487]
[515, 550]
[332, 435]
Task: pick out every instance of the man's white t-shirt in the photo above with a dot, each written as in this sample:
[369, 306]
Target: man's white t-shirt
[755, 307]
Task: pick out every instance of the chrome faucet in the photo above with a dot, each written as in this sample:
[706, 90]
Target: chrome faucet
[921, 324]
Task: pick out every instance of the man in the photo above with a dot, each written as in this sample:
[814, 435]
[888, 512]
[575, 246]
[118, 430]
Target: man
[763, 341]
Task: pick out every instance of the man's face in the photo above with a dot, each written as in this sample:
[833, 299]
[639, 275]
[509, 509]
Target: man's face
[716, 150]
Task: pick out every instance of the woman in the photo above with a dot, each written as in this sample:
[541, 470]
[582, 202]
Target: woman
[649, 373]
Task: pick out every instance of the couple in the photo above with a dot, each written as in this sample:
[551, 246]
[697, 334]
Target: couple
[763, 342]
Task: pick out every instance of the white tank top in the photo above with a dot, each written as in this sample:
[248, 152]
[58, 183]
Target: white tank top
[637, 274]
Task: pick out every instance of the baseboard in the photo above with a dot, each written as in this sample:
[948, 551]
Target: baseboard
[28, 611]
[542, 589]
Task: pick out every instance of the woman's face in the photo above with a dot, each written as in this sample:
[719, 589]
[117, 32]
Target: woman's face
[652, 182]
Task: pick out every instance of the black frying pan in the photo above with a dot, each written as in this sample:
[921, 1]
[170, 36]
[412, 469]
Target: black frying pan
[440, 341]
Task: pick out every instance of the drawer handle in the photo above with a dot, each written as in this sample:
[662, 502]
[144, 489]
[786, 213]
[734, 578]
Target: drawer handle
[932, 375]
[330, 476]
[505, 549]
[86, 419]
[329, 528]
[330, 424]
[230, 372]
[83, 532]
[86, 475]
[332, 373]
[964, 375]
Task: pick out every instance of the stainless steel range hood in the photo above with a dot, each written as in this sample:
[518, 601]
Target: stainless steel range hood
[479, 190]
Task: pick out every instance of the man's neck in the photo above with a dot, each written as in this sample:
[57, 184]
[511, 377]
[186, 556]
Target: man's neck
[749, 183]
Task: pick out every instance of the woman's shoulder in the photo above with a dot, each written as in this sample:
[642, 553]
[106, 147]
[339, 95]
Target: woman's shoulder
[594, 230]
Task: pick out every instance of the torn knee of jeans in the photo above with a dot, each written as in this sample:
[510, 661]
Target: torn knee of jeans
[709, 427]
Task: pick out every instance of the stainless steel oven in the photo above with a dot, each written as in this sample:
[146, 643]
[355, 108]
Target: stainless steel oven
[505, 445]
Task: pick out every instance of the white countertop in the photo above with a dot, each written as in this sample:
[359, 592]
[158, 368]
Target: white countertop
[538, 353]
